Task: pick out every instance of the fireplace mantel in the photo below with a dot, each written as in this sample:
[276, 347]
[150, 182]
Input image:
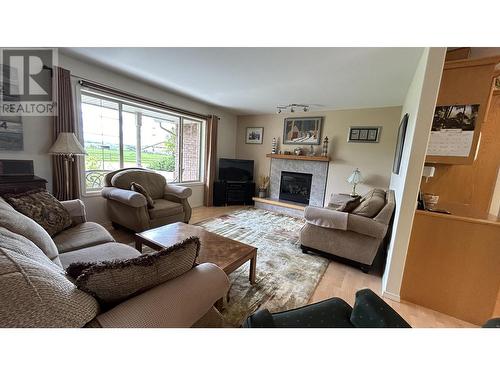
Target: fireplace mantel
[299, 157]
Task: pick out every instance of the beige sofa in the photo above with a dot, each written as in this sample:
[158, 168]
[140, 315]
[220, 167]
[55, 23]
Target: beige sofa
[347, 235]
[32, 265]
[129, 209]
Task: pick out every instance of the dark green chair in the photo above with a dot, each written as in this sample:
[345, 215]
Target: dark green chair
[369, 311]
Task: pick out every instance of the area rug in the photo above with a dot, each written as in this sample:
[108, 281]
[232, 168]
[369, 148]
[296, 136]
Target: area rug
[286, 278]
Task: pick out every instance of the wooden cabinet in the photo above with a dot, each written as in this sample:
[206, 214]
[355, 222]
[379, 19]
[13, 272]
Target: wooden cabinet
[20, 184]
[453, 264]
[467, 82]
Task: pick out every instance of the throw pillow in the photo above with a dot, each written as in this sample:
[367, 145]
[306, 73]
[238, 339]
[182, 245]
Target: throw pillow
[349, 205]
[134, 186]
[111, 282]
[371, 205]
[42, 207]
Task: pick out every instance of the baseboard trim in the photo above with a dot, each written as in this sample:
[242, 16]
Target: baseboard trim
[391, 296]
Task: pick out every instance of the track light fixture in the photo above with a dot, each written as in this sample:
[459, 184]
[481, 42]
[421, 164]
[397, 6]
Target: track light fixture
[292, 107]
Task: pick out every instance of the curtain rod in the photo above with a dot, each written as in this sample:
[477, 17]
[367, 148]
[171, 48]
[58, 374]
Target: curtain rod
[143, 100]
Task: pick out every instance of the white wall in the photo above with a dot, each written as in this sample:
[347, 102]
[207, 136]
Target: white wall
[374, 160]
[419, 104]
[38, 130]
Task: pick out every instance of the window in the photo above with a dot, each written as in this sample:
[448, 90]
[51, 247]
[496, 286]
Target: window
[119, 134]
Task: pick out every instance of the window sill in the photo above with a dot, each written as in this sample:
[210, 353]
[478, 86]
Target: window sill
[188, 184]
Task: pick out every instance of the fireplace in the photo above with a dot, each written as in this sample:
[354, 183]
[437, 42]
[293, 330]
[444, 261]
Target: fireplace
[295, 187]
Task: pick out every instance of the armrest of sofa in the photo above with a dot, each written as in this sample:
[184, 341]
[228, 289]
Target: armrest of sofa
[326, 218]
[179, 302]
[366, 226]
[128, 197]
[76, 210]
[181, 192]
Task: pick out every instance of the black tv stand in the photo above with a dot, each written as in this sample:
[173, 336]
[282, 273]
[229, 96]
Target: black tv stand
[233, 192]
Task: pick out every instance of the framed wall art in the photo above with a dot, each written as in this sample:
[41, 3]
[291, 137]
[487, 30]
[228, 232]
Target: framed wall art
[400, 144]
[254, 135]
[364, 134]
[302, 130]
[11, 135]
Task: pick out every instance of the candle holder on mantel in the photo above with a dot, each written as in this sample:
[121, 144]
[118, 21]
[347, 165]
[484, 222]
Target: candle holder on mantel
[325, 147]
[274, 149]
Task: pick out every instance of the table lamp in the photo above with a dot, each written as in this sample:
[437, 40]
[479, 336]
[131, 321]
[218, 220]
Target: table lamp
[354, 179]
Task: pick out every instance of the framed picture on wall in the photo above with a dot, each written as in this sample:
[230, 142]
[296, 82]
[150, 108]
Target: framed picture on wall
[254, 135]
[364, 134]
[11, 135]
[302, 130]
[400, 144]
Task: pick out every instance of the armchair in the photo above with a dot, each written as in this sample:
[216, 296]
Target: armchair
[346, 235]
[129, 209]
[369, 311]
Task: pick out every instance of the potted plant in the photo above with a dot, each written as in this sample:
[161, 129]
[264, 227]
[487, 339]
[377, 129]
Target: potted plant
[263, 185]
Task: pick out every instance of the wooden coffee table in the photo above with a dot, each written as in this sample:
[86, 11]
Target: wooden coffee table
[226, 253]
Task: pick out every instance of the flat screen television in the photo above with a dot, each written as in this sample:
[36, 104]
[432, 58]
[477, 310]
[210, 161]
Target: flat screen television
[235, 170]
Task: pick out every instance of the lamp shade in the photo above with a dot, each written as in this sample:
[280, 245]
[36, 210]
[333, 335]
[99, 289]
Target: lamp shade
[67, 144]
[355, 177]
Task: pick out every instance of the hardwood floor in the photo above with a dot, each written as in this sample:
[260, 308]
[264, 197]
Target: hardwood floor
[341, 281]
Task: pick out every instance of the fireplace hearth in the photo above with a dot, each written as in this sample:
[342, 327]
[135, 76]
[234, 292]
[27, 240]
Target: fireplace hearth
[295, 187]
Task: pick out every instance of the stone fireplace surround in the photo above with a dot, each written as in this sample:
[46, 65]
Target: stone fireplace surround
[318, 169]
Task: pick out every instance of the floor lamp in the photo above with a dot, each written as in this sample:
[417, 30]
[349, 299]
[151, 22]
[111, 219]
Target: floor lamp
[68, 146]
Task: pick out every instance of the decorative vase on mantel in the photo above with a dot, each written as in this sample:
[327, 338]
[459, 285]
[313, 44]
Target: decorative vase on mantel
[262, 193]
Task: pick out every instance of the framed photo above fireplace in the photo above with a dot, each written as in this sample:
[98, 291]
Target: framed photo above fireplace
[254, 135]
[302, 130]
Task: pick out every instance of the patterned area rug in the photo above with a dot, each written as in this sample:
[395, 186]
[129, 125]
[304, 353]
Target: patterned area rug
[286, 278]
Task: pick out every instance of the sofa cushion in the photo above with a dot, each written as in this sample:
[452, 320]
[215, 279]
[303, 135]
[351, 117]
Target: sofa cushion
[42, 207]
[82, 235]
[152, 181]
[371, 311]
[18, 223]
[34, 291]
[371, 204]
[99, 253]
[113, 281]
[165, 208]
[138, 188]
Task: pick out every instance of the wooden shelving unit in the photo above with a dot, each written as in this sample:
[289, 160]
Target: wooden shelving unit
[299, 157]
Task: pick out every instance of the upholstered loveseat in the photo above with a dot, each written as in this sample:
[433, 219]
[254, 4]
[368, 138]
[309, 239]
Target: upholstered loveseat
[35, 291]
[350, 235]
[130, 209]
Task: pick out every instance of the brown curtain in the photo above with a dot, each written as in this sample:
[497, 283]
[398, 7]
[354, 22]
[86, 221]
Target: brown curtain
[210, 159]
[64, 121]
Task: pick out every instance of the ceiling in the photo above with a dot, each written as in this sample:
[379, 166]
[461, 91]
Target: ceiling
[256, 80]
